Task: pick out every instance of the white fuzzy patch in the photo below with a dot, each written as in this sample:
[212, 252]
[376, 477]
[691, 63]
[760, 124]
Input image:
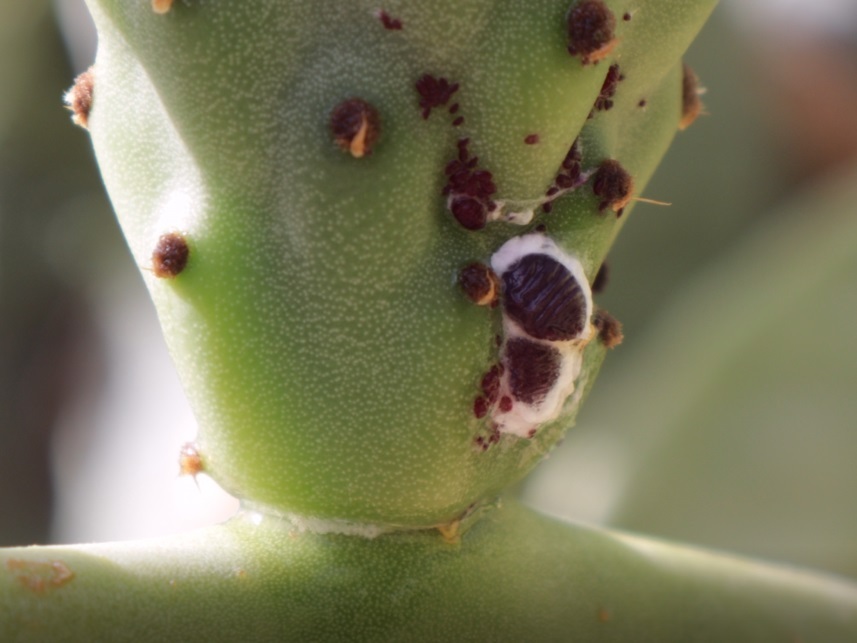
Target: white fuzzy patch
[525, 419]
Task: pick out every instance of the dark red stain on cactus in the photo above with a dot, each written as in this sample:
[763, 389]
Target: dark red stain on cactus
[79, 98]
[479, 284]
[484, 442]
[390, 23]
[491, 383]
[602, 278]
[604, 102]
[355, 126]
[458, 121]
[571, 162]
[170, 255]
[643, 102]
[469, 189]
[533, 370]
[609, 328]
[541, 295]
[568, 177]
[190, 462]
[471, 213]
[531, 139]
[626, 16]
[454, 108]
[480, 407]
[506, 404]
[691, 105]
[591, 30]
[613, 185]
[434, 92]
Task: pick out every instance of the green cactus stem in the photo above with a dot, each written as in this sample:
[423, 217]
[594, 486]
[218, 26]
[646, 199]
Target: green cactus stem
[327, 171]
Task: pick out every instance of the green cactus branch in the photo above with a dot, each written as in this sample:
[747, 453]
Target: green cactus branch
[515, 576]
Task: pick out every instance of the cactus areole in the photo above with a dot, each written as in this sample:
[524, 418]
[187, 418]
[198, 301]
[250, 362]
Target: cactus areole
[370, 230]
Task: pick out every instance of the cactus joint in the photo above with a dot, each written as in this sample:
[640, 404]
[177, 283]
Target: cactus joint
[591, 31]
[170, 256]
[355, 126]
[79, 98]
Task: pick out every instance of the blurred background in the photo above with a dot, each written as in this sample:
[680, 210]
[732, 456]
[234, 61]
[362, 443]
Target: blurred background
[728, 418]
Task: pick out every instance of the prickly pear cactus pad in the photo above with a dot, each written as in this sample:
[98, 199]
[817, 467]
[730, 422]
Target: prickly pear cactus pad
[370, 228]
